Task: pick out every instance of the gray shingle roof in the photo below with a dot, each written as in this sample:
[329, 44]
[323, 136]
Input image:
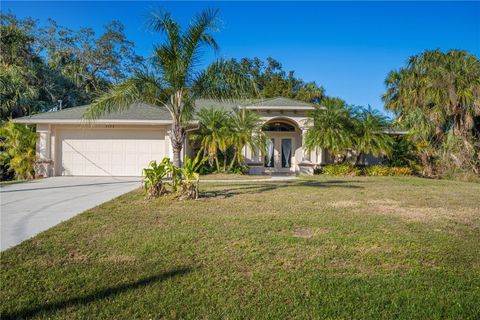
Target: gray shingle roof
[146, 112]
[139, 111]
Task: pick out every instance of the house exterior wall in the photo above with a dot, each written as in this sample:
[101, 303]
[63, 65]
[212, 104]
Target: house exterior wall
[303, 162]
[49, 142]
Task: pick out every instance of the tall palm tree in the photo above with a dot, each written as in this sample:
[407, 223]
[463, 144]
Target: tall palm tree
[437, 95]
[213, 133]
[245, 131]
[332, 127]
[173, 80]
[370, 137]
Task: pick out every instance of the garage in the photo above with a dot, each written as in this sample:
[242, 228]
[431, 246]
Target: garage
[108, 152]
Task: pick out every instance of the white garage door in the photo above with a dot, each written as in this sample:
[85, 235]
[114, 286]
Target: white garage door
[109, 152]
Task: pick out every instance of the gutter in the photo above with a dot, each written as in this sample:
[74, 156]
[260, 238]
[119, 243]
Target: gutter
[94, 122]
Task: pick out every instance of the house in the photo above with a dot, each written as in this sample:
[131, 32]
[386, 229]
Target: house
[123, 143]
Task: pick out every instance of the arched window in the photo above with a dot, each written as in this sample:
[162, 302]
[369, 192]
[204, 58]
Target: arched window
[278, 126]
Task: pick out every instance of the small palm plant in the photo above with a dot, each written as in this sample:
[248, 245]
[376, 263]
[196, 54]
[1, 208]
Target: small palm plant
[332, 129]
[191, 178]
[155, 176]
[245, 131]
[213, 134]
[370, 137]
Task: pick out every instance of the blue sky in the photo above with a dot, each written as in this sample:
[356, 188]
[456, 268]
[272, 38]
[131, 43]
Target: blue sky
[348, 47]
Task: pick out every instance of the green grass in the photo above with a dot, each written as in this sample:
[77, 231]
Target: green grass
[332, 248]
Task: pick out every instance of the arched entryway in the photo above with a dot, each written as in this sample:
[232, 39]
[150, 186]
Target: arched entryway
[283, 145]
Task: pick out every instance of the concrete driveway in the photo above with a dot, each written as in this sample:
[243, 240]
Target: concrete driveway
[31, 207]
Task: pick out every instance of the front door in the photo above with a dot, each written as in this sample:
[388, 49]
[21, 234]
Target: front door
[279, 154]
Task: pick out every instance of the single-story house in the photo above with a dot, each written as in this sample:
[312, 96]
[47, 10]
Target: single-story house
[123, 143]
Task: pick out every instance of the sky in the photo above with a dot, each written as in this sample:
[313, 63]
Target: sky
[347, 47]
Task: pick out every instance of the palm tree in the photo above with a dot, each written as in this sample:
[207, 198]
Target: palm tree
[332, 127]
[245, 130]
[437, 95]
[369, 134]
[173, 80]
[213, 133]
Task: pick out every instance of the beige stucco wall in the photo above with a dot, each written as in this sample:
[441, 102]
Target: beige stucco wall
[48, 147]
[299, 119]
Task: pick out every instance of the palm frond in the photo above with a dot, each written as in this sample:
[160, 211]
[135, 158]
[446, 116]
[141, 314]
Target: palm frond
[142, 88]
[224, 81]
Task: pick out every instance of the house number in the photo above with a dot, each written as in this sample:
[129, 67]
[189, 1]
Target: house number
[109, 126]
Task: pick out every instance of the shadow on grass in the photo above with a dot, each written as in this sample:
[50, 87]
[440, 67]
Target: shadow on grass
[97, 295]
[259, 187]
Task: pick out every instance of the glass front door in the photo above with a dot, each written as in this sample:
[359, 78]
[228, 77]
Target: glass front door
[270, 156]
[279, 154]
[286, 153]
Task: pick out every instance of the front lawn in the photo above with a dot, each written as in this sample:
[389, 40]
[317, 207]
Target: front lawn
[363, 247]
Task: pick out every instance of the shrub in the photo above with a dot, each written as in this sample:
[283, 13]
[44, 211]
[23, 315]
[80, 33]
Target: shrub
[184, 181]
[345, 169]
[240, 169]
[191, 178]
[400, 171]
[341, 170]
[376, 171]
[155, 175]
[17, 149]
[387, 171]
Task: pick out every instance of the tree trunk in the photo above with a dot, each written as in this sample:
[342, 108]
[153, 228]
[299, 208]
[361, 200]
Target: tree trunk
[176, 157]
[359, 157]
[177, 135]
[230, 167]
[225, 161]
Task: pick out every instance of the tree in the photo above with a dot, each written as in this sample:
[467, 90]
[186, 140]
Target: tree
[91, 62]
[245, 131]
[436, 96]
[273, 81]
[19, 68]
[370, 137]
[213, 134]
[40, 66]
[332, 127]
[173, 80]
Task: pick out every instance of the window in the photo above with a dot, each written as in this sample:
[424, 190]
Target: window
[278, 126]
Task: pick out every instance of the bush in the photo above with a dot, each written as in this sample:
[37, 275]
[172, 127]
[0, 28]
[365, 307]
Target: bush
[191, 178]
[341, 170]
[206, 168]
[17, 150]
[377, 171]
[350, 170]
[183, 181]
[155, 175]
[400, 171]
